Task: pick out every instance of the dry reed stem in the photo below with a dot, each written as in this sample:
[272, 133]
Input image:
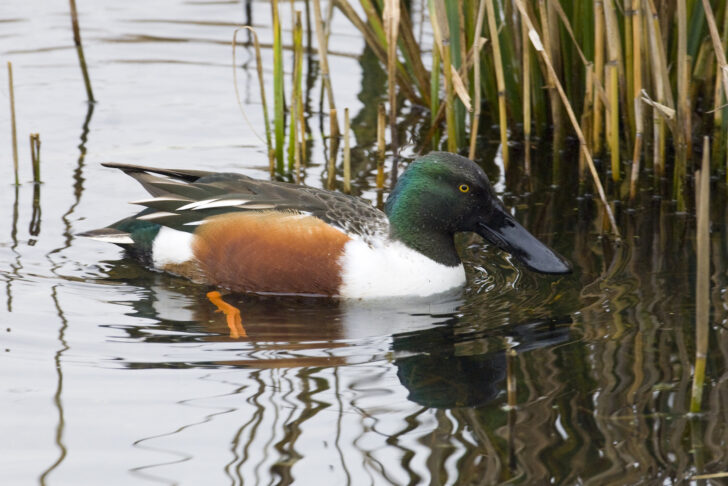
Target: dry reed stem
[717, 44]
[333, 148]
[637, 82]
[599, 49]
[587, 118]
[536, 41]
[261, 84]
[347, 152]
[79, 51]
[612, 76]
[526, 69]
[683, 73]
[35, 156]
[381, 144]
[637, 150]
[613, 118]
[405, 82]
[476, 82]
[391, 16]
[702, 280]
[441, 33]
[556, 119]
[324, 65]
[13, 126]
[500, 81]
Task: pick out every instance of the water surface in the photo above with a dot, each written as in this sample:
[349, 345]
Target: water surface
[113, 374]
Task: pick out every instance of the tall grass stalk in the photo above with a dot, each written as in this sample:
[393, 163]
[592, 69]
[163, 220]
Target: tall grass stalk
[612, 71]
[702, 280]
[475, 119]
[500, 80]
[13, 126]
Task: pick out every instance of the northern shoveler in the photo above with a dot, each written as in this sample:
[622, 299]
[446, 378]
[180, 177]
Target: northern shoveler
[248, 235]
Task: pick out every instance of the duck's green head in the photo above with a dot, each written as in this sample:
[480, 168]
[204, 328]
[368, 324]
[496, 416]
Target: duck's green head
[441, 194]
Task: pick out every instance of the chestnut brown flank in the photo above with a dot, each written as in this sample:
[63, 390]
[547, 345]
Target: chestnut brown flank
[270, 251]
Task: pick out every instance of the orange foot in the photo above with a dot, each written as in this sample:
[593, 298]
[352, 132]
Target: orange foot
[234, 321]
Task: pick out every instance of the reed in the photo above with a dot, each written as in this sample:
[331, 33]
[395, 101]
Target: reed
[702, 280]
[391, 26]
[13, 126]
[79, 51]
[324, 66]
[500, 81]
[295, 126]
[441, 31]
[347, 152]
[381, 144]
[526, 94]
[279, 119]
[333, 148]
[35, 156]
[261, 85]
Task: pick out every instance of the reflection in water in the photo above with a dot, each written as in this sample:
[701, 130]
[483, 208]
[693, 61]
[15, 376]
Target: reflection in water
[55, 266]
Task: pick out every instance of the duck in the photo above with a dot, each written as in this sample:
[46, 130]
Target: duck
[235, 232]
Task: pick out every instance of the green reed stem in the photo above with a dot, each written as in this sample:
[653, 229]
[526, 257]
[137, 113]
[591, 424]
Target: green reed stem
[35, 156]
[278, 94]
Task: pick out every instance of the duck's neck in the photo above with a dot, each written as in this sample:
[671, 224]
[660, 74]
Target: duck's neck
[416, 230]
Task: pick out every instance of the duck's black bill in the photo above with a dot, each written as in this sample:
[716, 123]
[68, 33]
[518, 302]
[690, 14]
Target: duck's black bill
[502, 230]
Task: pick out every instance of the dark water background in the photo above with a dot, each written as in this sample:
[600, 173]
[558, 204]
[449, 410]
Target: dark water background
[113, 374]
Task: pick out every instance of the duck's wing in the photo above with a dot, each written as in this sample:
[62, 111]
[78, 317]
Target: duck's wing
[183, 199]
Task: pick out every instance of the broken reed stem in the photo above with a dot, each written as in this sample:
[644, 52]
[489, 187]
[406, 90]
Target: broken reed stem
[333, 147]
[636, 157]
[557, 122]
[381, 144]
[13, 126]
[500, 80]
[35, 156]
[536, 41]
[324, 65]
[347, 152]
[79, 51]
[702, 280]
[261, 83]
[278, 95]
[391, 16]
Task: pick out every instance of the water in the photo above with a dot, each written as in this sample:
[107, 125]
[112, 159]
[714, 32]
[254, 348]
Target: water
[113, 374]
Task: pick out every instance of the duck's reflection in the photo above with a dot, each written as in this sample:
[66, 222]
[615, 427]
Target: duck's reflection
[442, 360]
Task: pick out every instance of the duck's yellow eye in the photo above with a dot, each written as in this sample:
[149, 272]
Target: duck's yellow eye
[464, 188]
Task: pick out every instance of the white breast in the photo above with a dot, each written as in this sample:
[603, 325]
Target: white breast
[394, 270]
